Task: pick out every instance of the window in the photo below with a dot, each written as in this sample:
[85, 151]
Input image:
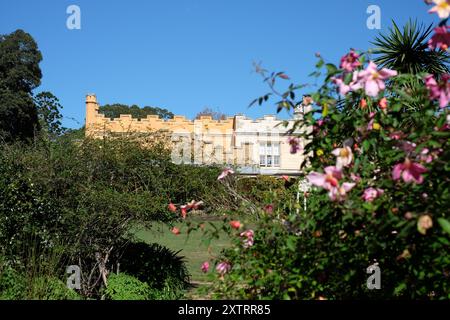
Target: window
[269, 154]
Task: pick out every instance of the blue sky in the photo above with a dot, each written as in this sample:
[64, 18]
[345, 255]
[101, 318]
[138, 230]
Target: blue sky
[185, 55]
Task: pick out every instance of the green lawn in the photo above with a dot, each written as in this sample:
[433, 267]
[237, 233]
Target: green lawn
[192, 247]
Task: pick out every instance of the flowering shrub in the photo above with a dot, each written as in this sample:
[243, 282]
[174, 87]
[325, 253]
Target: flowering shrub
[379, 167]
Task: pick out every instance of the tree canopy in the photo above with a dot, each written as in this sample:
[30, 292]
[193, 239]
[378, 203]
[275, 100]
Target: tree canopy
[19, 75]
[116, 109]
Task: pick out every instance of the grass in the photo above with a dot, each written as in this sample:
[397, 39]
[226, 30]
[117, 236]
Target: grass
[192, 246]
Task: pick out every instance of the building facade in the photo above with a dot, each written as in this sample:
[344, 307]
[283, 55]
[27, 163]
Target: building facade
[258, 146]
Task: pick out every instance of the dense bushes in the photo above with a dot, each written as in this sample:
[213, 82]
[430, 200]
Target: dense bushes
[86, 195]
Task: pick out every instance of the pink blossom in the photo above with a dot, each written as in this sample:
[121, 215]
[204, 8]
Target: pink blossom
[441, 90]
[183, 211]
[383, 103]
[248, 238]
[371, 194]
[225, 173]
[407, 146]
[344, 156]
[346, 88]
[339, 193]
[440, 39]
[235, 224]
[442, 8]
[372, 79]
[268, 208]
[205, 267]
[425, 155]
[294, 142]
[355, 177]
[223, 268]
[175, 231]
[330, 181]
[409, 171]
[172, 207]
[350, 61]
[397, 135]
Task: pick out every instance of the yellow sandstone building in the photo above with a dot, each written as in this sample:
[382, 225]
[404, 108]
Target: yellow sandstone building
[253, 146]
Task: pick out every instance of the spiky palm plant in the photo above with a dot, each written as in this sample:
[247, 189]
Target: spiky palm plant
[407, 51]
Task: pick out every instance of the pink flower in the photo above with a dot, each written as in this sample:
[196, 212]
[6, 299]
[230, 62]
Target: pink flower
[407, 146]
[223, 268]
[371, 194]
[268, 208]
[346, 88]
[205, 267]
[442, 8]
[409, 171]
[194, 205]
[248, 235]
[372, 79]
[350, 61]
[383, 103]
[440, 38]
[330, 181]
[439, 90]
[355, 177]
[294, 142]
[175, 231]
[235, 224]
[397, 135]
[344, 157]
[183, 211]
[225, 173]
[340, 193]
[425, 156]
[172, 207]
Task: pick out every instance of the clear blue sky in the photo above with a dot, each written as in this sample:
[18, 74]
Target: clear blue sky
[184, 55]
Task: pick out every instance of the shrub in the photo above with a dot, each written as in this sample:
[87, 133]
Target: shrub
[12, 284]
[380, 170]
[125, 287]
[161, 268]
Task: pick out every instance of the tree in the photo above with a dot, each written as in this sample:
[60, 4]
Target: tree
[116, 109]
[408, 52]
[19, 75]
[216, 115]
[48, 107]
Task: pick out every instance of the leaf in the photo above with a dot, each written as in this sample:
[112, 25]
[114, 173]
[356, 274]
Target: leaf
[291, 243]
[445, 224]
[325, 110]
[331, 69]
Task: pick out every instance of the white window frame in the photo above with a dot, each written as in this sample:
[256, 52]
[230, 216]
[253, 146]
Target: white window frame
[269, 154]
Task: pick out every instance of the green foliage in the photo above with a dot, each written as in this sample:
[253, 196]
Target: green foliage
[325, 251]
[51, 288]
[87, 194]
[12, 284]
[407, 51]
[19, 75]
[49, 115]
[161, 268]
[115, 110]
[125, 287]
